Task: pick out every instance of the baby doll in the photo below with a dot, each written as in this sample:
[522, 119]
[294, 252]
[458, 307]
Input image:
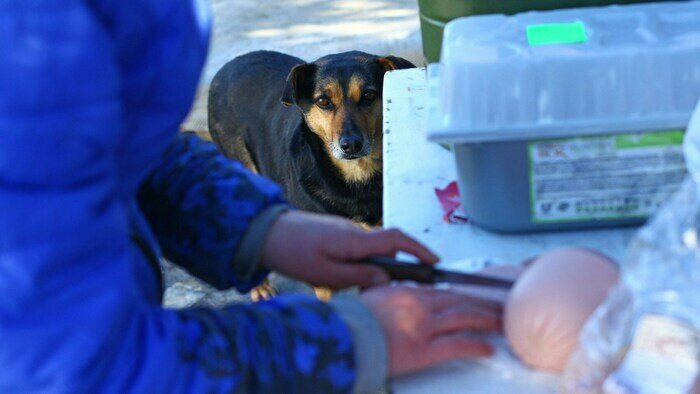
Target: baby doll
[554, 295]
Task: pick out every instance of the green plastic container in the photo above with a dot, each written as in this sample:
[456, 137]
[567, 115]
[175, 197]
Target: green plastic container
[434, 14]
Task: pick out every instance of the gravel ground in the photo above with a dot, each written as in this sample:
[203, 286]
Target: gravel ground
[308, 29]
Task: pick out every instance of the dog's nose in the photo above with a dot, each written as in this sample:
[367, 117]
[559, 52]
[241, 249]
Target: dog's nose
[351, 144]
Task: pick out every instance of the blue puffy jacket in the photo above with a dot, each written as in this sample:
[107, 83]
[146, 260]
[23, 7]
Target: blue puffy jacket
[91, 95]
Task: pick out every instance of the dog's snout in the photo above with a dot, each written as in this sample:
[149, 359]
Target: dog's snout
[351, 144]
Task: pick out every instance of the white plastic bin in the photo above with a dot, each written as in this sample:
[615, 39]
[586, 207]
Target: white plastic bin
[567, 119]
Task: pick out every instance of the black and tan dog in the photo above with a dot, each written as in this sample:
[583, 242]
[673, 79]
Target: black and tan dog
[315, 128]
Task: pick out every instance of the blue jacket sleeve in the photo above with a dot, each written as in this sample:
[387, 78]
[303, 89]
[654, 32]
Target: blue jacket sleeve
[74, 315]
[200, 206]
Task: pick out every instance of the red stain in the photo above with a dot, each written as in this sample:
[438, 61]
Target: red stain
[450, 202]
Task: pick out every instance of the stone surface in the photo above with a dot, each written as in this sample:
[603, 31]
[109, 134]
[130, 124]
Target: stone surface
[307, 29]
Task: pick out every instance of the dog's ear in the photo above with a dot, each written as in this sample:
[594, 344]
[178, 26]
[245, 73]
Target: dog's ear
[390, 63]
[298, 83]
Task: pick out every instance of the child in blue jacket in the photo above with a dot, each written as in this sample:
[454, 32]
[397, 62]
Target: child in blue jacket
[96, 186]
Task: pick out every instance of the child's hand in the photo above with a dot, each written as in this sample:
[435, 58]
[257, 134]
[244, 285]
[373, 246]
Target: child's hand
[322, 250]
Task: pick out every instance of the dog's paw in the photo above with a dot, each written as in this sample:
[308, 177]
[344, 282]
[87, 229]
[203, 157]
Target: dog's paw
[263, 292]
[323, 293]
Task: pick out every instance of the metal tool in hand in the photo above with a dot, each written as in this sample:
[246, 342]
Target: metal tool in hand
[424, 273]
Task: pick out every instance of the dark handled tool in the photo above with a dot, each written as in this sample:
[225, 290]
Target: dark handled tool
[424, 273]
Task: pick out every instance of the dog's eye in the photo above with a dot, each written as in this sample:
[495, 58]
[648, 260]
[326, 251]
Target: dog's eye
[369, 96]
[323, 102]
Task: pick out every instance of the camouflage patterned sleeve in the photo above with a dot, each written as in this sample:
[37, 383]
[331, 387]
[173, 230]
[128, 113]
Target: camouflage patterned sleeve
[293, 344]
[200, 205]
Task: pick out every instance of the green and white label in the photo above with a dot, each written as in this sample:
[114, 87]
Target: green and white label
[604, 177]
[556, 34]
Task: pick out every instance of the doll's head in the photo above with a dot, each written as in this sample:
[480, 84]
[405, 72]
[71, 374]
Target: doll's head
[552, 300]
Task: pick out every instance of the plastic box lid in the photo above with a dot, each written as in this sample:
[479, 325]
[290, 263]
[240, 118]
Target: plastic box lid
[564, 73]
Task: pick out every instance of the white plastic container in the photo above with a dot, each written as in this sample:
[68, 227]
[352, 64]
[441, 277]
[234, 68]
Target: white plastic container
[567, 119]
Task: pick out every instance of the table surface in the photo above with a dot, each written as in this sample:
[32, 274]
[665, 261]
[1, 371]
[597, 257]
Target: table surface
[413, 168]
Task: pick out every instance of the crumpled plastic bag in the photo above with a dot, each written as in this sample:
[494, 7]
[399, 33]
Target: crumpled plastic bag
[644, 337]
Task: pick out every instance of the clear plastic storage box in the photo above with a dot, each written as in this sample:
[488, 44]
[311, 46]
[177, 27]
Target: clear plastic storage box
[567, 119]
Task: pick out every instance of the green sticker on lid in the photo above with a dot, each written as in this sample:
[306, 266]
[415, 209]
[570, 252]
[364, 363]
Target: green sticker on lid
[556, 33]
